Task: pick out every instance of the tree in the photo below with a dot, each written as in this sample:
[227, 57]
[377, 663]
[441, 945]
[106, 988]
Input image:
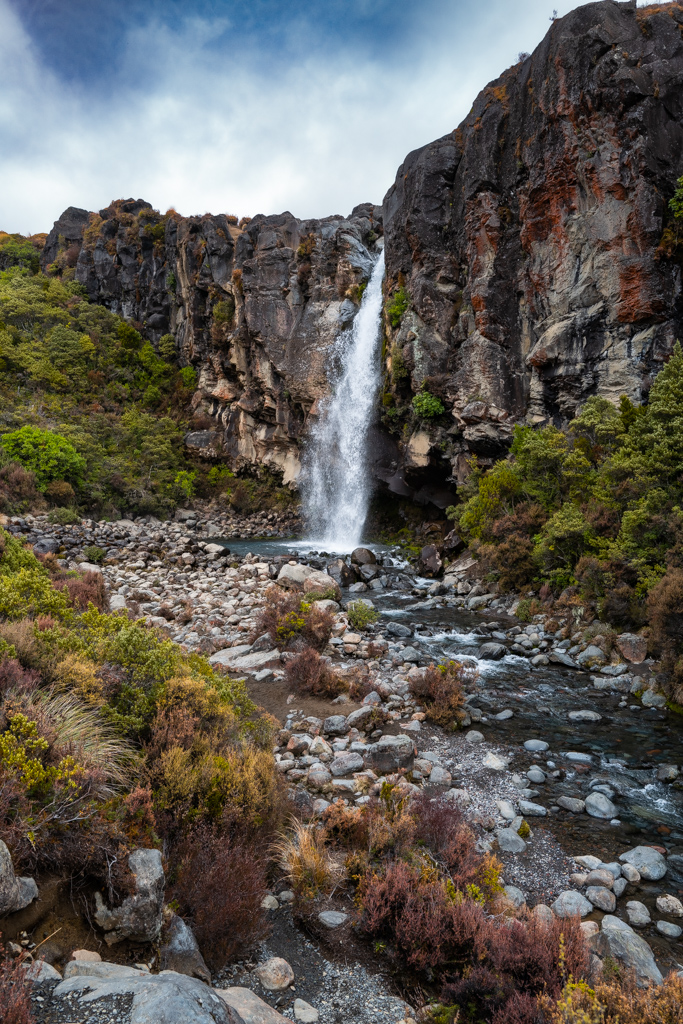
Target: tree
[48, 455]
[654, 439]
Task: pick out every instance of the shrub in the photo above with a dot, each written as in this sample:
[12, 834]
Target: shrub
[29, 592]
[302, 852]
[427, 406]
[219, 887]
[48, 455]
[398, 305]
[60, 493]
[17, 488]
[441, 688]
[15, 680]
[64, 516]
[308, 673]
[188, 377]
[360, 614]
[84, 590]
[292, 622]
[15, 990]
[93, 553]
[665, 612]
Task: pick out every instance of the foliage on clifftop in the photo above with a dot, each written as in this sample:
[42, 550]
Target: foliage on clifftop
[112, 737]
[76, 376]
[594, 511]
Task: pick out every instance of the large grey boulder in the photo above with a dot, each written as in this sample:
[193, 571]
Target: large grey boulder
[180, 951]
[570, 902]
[15, 893]
[390, 753]
[599, 806]
[621, 943]
[647, 861]
[140, 916]
[251, 1008]
[166, 998]
[510, 842]
[306, 580]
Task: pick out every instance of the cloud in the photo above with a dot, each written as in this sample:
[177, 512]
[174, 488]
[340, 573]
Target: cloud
[236, 127]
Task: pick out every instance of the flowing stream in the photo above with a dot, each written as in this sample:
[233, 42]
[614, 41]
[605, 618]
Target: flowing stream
[336, 484]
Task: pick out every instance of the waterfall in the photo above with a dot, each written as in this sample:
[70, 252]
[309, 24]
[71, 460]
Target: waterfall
[336, 486]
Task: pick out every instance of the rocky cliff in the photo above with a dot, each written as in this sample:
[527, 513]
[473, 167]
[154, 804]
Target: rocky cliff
[528, 238]
[254, 306]
[524, 250]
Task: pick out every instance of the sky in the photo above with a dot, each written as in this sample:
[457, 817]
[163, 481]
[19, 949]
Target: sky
[236, 106]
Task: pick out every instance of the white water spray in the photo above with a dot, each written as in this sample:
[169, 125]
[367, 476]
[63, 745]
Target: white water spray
[336, 485]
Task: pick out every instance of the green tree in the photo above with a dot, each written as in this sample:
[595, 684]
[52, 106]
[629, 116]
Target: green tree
[48, 455]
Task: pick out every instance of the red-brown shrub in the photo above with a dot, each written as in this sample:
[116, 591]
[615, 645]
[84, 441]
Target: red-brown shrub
[310, 674]
[15, 991]
[85, 589]
[665, 614]
[441, 688]
[219, 886]
[17, 488]
[444, 830]
[60, 493]
[15, 679]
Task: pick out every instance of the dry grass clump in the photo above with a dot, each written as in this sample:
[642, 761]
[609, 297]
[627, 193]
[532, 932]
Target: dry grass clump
[303, 854]
[308, 673]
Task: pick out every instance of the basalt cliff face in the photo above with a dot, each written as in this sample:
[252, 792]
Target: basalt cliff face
[255, 307]
[527, 243]
[528, 238]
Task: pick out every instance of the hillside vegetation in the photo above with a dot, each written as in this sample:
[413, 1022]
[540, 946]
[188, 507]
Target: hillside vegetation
[592, 514]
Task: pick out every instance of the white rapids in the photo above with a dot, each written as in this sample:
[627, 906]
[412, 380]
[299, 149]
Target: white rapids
[336, 485]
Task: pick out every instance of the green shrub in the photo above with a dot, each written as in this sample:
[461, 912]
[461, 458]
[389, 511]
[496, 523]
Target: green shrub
[188, 376]
[360, 614]
[48, 455]
[29, 592]
[64, 516]
[427, 406]
[167, 347]
[398, 305]
[95, 554]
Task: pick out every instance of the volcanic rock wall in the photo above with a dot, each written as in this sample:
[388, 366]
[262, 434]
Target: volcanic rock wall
[528, 238]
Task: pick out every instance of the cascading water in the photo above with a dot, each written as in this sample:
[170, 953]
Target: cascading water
[336, 488]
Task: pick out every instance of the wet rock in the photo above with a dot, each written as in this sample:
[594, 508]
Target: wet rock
[429, 563]
[584, 716]
[601, 898]
[671, 931]
[632, 647]
[344, 574]
[570, 902]
[618, 941]
[647, 861]
[571, 803]
[599, 806]
[140, 916]
[536, 775]
[15, 893]
[638, 914]
[535, 746]
[180, 951]
[332, 918]
[619, 886]
[492, 652]
[560, 658]
[531, 810]
[509, 841]
[578, 757]
[398, 629]
[410, 654]
[275, 974]
[363, 556]
[667, 773]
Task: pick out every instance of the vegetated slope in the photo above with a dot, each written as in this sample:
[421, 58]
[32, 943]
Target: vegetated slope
[593, 515]
[530, 261]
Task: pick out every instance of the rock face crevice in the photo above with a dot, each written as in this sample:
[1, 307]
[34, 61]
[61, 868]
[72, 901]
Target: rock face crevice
[527, 241]
[528, 237]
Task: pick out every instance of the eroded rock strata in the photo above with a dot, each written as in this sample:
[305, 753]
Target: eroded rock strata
[527, 241]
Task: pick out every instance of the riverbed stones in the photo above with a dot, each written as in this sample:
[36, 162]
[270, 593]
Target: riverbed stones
[335, 725]
[495, 761]
[592, 657]
[398, 629]
[578, 757]
[571, 902]
[618, 940]
[535, 746]
[571, 803]
[473, 737]
[671, 931]
[275, 974]
[535, 775]
[630, 873]
[304, 1012]
[510, 842]
[439, 778]
[638, 914]
[506, 809]
[390, 753]
[15, 893]
[532, 810]
[600, 876]
[670, 905]
[332, 918]
[492, 652]
[600, 806]
[584, 716]
[601, 898]
[649, 862]
[250, 1007]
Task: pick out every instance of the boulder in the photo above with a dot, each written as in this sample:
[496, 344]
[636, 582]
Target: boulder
[600, 876]
[584, 716]
[647, 861]
[320, 583]
[620, 942]
[510, 842]
[307, 580]
[601, 898]
[515, 895]
[275, 974]
[179, 951]
[356, 719]
[362, 556]
[571, 803]
[535, 746]
[390, 753]
[335, 725]
[139, 917]
[670, 930]
[670, 905]
[638, 914]
[346, 763]
[39, 971]
[332, 918]
[599, 806]
[592, 657]
[167, 998]
[398, 629]
[344, 574]
[492, 652]
[531, 810]
[15, 893]
[429, 563]
[250, 1007]
[304, 1012]
[46, 546]
[632, 648]
[570, 902]
[474, 737]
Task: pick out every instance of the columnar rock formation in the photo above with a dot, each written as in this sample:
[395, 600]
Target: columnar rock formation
[527, 240]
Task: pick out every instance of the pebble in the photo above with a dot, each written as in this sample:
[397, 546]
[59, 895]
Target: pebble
[672, 931]
[332, 918]
[536, 746]
[474, 737]
[304, 1012]
[670, 905]
[275, 974]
